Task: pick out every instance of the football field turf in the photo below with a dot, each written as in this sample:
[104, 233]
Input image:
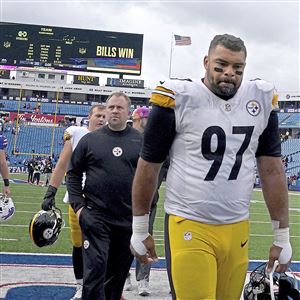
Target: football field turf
[14, 236]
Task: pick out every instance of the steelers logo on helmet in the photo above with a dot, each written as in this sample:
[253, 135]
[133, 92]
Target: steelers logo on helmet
[7, 208]
[45, 227]
[253, 107]
[48, 233]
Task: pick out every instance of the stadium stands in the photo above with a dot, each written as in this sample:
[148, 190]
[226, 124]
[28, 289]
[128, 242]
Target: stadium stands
[289, 120]
[291, 149]
[282, 117]
[290, 146]
[45, 108]
[32, 139]
[38, 139]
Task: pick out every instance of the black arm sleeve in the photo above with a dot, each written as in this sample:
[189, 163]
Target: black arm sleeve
[75, 174]
[269, 141]
[159, 134]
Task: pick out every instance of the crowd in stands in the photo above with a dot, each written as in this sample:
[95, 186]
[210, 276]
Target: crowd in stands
[290, 158]
[44, 108]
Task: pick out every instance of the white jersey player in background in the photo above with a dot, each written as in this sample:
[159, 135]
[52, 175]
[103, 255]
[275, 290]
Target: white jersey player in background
[72, 136]
[214, 130]
[3, 163]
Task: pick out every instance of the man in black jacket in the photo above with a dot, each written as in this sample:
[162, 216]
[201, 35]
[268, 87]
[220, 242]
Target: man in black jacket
[30, 166]
[109, 157]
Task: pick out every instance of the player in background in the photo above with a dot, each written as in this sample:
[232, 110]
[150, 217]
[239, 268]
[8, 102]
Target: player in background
[72, 135]
[140, 118]
[3, 163]
[214, 130]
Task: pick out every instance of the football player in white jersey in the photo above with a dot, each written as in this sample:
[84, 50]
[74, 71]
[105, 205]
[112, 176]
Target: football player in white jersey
[72, 136]
[3, 163]
[214, 130]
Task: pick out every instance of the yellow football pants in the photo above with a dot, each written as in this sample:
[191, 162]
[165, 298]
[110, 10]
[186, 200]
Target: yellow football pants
[76, 235]
[206, 262]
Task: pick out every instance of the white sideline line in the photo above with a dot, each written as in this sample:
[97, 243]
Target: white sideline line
[290, 192]
[3, 239]
[271, 235]
[263, 222]
[266, 214]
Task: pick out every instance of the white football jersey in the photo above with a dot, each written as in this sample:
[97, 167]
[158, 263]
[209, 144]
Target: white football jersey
[74, 134]
[210, 178]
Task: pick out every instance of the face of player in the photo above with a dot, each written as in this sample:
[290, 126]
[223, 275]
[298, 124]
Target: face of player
[97, 119]
[224, 71]
[117, 112]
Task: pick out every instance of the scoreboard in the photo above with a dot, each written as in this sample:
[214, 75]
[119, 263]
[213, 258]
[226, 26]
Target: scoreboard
[42, 46]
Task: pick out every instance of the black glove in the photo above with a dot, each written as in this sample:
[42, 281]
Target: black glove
[49, 198]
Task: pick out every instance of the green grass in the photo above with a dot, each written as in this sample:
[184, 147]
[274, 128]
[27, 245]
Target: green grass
[14, 236]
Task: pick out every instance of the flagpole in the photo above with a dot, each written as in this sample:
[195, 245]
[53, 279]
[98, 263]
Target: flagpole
[171, 53]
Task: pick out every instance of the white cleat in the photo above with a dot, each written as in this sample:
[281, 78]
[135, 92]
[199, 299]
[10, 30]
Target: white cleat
[143, 288]
[78, 293]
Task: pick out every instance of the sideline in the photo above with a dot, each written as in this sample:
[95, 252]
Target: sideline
[66, 260]
[50, 276]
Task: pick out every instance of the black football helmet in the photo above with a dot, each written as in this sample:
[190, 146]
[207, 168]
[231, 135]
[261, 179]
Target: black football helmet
[45, 227]
[273, 286]
[7, 208]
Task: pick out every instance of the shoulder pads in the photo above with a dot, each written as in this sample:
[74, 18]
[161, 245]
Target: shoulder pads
[264, 85]
[164, 94]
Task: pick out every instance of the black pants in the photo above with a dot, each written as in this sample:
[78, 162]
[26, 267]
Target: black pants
[30, 175]
[36, 177]
[106, 256]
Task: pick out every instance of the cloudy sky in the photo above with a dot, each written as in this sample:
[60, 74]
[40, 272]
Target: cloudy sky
[270, 30]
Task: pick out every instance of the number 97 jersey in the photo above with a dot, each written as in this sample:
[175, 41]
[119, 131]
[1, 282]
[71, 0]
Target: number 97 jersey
[210, 178]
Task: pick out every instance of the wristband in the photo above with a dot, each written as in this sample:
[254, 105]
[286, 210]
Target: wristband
[282, 240]
[140, 226]
[281, 235]
[6, 182]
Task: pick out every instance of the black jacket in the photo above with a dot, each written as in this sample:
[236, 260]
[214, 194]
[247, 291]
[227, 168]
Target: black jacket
[109, 159]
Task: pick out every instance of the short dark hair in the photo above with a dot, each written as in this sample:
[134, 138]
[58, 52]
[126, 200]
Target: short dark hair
[228, 41]
[120, 94]
[96, 106]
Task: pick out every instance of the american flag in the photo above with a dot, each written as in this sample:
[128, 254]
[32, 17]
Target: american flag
[182, 40]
